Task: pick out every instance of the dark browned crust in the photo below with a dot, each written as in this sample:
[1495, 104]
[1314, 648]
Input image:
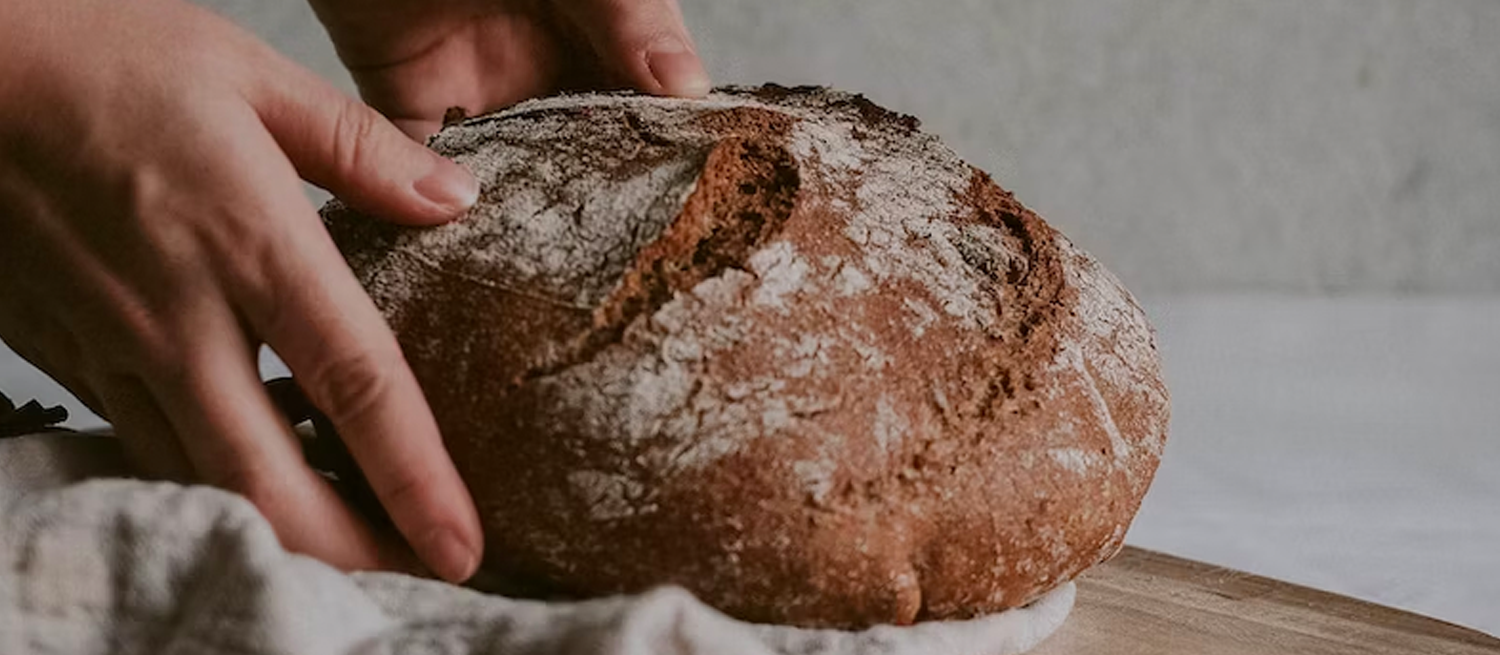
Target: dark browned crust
[965, 516]
[744, 195]
[454, 115]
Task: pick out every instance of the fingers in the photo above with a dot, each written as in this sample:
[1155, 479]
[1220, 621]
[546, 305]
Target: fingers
[252, 451]
[644, 41]
[180, 212]
[317, 318]
[349, 365]
[349, 149]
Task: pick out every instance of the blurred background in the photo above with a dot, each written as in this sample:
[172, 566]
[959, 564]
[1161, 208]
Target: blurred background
[1305, 196]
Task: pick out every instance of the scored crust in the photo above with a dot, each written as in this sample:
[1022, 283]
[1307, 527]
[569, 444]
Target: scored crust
[777, 346]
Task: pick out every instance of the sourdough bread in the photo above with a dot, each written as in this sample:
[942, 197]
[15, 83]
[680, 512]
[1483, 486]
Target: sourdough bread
[778, 346]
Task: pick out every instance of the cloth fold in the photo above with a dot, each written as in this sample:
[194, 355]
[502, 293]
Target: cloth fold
[123, 567]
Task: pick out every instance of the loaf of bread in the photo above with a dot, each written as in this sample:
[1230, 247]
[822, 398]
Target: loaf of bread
[777, 346]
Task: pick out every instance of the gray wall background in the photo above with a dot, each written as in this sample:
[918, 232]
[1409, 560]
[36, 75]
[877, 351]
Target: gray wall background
[1196, 146]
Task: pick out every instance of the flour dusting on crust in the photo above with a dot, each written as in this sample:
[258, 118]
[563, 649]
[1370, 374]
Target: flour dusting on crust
[878, 389]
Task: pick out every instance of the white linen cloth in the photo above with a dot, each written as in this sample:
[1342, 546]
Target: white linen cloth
[122, 567]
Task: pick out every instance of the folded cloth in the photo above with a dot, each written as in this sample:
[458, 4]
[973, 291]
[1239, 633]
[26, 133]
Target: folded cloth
[124, 566]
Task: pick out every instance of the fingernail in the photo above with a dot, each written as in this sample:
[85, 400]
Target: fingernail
[450, 558]
[678, 70]
[449, 186]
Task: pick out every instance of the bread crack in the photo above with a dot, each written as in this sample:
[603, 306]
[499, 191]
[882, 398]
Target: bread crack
[745, 194]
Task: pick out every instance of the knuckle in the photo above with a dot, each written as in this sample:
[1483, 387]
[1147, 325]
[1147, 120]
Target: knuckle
[354, 130]
[144, 195]
[349, 386]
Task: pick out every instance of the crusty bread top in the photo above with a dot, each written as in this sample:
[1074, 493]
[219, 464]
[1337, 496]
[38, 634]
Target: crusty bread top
[766, 326]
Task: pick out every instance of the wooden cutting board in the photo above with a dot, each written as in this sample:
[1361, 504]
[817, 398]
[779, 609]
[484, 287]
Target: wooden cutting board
[1143, 602]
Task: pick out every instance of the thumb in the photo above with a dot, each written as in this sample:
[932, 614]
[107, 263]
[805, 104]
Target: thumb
[645, 41]
[346, 147]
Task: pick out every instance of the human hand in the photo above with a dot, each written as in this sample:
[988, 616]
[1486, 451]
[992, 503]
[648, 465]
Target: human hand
[153, 233]
[415, 59]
